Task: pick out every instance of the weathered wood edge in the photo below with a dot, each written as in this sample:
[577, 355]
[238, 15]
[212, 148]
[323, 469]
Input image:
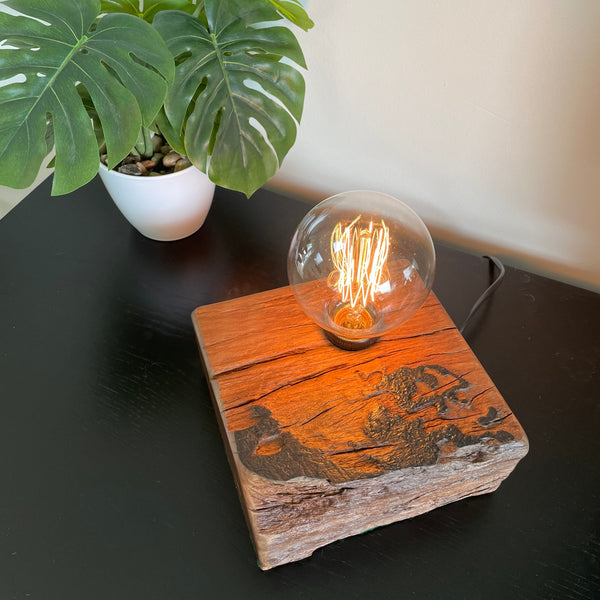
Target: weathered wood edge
[410, 493]
[273, 550]
[226, 436]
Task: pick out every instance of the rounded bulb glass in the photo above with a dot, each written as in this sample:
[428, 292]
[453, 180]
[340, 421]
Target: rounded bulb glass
[360, 264]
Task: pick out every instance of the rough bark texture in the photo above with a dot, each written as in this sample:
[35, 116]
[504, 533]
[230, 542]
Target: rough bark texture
[326, 443]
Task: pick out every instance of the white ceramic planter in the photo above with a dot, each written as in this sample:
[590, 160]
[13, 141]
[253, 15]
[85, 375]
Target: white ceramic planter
[164, 208]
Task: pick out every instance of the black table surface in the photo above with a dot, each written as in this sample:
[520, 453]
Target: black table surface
[115, 481]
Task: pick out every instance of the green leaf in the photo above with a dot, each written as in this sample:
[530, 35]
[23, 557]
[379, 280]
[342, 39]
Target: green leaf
[120, 61]
[130, 7]
[293, 11]
[225, 12]
[231, 86]
[254, 11]
[92, 113]
[173, 136]
[143, 146]
[149, 8]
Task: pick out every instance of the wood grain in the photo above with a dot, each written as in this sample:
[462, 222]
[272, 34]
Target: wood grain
[326, 443]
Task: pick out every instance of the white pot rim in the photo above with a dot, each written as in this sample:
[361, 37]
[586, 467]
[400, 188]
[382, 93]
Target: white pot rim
[114, 173]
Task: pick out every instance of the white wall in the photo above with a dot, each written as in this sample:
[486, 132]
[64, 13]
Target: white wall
[483, 115]
[10, 197]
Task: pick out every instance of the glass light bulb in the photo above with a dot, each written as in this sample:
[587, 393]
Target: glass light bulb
[360, 264]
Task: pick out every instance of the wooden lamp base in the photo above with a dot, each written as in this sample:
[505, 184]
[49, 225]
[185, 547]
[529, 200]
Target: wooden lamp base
[325, 443]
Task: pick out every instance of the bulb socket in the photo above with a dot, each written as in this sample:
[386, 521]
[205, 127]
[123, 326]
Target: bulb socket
[346, 344]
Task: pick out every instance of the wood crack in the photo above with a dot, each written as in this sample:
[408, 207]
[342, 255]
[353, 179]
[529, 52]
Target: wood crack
[443, 418]
[301, 424]
[362, 449]
[433, 355]
[327, 444]
[292, 498]
[301, 379]
[240, 337]
[417, 335]
[492, 418]
[283, 387]
[487, 389]
[266, 361]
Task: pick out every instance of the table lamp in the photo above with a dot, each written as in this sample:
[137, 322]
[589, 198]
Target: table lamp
[326, 443]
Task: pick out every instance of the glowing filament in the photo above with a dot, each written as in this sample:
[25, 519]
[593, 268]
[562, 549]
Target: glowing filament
[359, 255]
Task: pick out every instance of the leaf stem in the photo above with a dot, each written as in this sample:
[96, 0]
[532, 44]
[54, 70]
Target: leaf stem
[219, 55]
[52, 79]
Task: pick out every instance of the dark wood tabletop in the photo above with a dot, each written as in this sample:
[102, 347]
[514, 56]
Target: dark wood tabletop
[115, 481]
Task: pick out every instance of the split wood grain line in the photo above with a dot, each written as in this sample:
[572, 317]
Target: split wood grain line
[246, 336]
[326, 443]
[230, 328]
[323, 364]
[268, 377]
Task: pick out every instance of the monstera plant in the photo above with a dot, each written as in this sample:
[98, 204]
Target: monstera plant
[221, 79]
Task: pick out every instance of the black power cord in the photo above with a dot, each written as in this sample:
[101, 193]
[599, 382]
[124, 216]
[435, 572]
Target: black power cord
[489, 291]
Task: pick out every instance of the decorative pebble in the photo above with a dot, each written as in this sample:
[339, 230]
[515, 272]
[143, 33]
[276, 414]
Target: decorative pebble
[129, 169]
[164, 160]
[157, 142]
[170, 160]
[142, 168]
[182, 163]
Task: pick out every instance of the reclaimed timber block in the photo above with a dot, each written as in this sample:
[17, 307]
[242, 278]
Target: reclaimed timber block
[326, 443]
